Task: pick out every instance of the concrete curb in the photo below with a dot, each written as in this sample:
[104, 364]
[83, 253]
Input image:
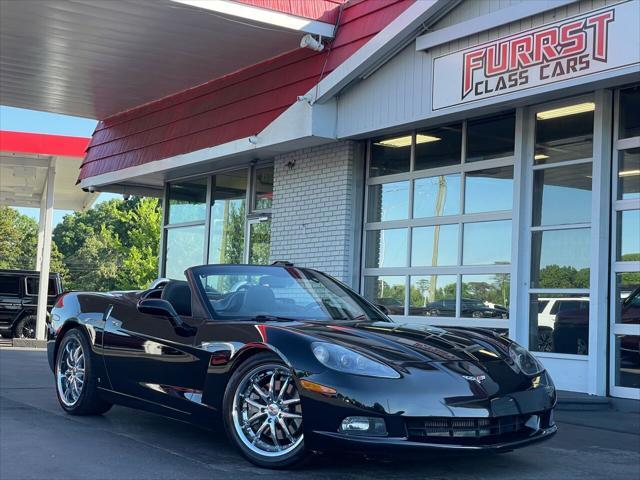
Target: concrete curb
[29, 343]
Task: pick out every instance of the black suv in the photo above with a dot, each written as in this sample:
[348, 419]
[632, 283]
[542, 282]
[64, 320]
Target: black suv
[19, 301]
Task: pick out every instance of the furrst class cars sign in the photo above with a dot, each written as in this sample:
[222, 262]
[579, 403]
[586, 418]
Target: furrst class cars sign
[600, 40]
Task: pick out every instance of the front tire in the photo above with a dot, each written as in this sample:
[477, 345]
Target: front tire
[262, 413]
[76, 384]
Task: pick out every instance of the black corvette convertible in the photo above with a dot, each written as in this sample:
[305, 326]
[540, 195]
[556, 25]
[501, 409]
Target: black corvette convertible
[294, 361]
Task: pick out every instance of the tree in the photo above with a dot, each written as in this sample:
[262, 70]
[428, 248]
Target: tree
[19, 243]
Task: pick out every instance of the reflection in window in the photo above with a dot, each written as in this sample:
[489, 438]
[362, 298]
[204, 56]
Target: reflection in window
[562, 195]
[629, 174]
[628, 298]
[487, 243]
[388, 291]
[390, 155]
[629, 235]
[492, 137]
[560, 258]
[485, 296]
[630, 112]
[436, 196]
[488, 190]
[264, 188]
[185, 248]
[259, 242]
[628, 361]
[389, 201]
[226, 243]
[559, 323]
[435, 245]
[562, 134]
[33, 285]
[438, 147]
[187, 201]
[386, 248]
[433, 295]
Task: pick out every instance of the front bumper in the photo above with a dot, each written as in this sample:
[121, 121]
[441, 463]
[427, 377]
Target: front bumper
[332, 440]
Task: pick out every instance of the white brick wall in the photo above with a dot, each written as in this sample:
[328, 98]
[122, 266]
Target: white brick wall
[316, 209]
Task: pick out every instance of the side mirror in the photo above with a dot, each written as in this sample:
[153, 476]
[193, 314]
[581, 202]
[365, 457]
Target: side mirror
[162, 308]
[382, 308]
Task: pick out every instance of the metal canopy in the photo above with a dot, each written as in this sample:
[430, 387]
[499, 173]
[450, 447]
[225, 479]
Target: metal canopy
[94, 59]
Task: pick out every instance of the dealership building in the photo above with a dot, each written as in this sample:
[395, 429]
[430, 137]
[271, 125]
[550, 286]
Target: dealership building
[468, 163]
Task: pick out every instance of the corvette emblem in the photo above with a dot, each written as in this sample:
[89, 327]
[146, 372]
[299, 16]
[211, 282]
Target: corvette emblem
[475, 378]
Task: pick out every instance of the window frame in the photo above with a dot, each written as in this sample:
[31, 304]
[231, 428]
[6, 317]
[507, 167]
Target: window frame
[251, 214]
[461, 219]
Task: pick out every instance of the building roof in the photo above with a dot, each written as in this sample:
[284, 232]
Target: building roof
[95, 59]
[25, 159]
[231, 106]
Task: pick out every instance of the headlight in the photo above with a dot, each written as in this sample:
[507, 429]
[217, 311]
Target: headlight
[348, 361]
[526, 362]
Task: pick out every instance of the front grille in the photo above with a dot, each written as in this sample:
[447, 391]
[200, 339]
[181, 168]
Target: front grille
[434, 429]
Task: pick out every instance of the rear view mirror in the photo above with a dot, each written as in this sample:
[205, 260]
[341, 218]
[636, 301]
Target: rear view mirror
[382, 308]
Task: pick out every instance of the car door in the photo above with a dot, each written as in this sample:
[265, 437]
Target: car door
[10, 302]
[148, 360]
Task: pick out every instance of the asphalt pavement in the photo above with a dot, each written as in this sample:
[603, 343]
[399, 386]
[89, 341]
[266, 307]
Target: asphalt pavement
[39, 441]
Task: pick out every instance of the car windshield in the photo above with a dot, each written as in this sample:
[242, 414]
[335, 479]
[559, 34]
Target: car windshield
[279, 293]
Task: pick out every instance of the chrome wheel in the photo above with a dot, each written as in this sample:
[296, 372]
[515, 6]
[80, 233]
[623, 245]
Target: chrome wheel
[70, 369]
[267, 415]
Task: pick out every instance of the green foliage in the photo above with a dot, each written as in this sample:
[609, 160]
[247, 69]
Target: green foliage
[555, 276]
[113, 246]
[19, 241]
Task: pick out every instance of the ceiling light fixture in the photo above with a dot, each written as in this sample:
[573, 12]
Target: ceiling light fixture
[564, 111]
[629, 173]
[541, 156]
[406, 140]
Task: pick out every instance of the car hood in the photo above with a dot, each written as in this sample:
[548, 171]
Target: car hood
[401, 343]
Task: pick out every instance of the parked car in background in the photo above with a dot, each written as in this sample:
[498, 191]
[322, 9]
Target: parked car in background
[19, 301]
[549, 309]
[470, 307]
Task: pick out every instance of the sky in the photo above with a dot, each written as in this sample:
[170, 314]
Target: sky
[22, 120]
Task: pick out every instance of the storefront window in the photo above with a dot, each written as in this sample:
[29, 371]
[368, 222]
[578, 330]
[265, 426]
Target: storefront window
[386, 248]
[226, 238]
[487, 243]
[627, 348]
[450, 247]
[436, 196]
[388, 291]
[627, 305]
[564, 133]
[559, 323]
[485, 296]
[187, 201]
[562, 195]
[259, 242]
[389, 201]
[433, 296]
[489, 190]
[629, 125]
[492, 137]
[439, 147]
[629, 235]
[185, 248]
[390, 155]
[263, 197]
[560, 258]
[629, 174]
[433, 246]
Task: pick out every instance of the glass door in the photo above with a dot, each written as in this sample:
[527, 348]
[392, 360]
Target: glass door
[563, 163]
[624, 364]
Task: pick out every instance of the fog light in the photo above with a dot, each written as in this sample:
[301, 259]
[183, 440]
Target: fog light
[363, 426]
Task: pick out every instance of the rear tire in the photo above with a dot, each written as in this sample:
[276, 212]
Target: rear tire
[76, 384]
[265, 426]
[26, 327]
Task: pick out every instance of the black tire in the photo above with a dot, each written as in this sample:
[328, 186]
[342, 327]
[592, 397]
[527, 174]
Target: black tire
[6, 334]
[89, 401]
[288, 460]
[26, 327]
